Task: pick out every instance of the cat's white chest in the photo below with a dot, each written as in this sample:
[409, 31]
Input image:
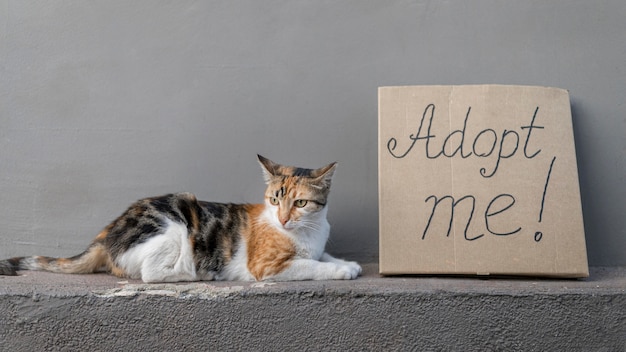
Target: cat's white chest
[310, 243]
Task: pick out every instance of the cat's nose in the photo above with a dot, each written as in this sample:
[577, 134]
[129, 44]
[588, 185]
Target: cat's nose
[283, 221]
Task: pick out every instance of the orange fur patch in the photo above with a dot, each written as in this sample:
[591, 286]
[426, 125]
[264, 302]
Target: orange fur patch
[269, 251]
[62, 261]
[117, 271]
[98, 259]
[102, 235]
[103, 261]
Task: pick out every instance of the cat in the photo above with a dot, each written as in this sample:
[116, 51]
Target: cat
[176, 237]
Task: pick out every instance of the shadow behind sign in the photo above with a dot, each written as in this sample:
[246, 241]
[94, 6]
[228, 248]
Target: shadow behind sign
[479, 180]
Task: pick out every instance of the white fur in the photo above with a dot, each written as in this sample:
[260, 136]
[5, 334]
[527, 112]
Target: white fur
[166, 257]
[237, 268]
[308, 269]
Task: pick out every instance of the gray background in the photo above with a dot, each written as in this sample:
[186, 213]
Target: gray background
[104, 102]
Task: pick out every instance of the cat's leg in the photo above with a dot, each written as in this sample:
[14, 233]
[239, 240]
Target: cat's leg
[354, 266]
[166, 257]
[167, 268]
[309, 269]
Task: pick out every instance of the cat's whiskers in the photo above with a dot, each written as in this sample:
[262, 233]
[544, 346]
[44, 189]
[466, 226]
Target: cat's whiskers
[309, 225]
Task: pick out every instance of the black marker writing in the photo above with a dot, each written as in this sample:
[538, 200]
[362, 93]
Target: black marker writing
[453, 204]
[545, 189]
[484, 145]
[489, 214]
[495, 207]
[530, 130]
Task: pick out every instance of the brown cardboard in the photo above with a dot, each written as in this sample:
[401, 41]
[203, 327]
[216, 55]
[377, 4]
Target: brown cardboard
[505, 155]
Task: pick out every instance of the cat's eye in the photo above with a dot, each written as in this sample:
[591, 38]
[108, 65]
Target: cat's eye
[273, 200]
[300, 203]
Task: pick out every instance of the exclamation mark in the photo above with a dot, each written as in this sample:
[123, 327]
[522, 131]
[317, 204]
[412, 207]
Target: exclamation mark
[539, 234]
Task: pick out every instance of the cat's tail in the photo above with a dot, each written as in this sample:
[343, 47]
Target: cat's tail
[94, 259]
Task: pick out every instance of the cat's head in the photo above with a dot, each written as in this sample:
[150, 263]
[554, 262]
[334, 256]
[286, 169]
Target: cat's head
[296, 196]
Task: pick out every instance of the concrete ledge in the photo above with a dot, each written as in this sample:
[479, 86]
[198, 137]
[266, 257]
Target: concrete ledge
[43, 311]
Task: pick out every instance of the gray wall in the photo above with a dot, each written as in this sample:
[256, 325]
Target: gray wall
[104, 102]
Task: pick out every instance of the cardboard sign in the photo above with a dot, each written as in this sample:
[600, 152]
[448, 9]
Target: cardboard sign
[478, 180]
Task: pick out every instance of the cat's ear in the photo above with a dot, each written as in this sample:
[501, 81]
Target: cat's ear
[270, 168]
[324, 174]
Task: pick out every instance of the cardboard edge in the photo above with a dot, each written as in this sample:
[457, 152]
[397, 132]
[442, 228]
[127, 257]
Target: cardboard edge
[378, 182]
[577, 275]
[565, 91]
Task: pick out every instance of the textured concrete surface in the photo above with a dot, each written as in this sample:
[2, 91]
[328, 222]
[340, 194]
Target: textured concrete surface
[42, 311]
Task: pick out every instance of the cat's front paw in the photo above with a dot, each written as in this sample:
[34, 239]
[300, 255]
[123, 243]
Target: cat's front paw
[355, 268]
[346, 272]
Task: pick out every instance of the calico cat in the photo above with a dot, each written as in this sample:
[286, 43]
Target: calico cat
[176, 237]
